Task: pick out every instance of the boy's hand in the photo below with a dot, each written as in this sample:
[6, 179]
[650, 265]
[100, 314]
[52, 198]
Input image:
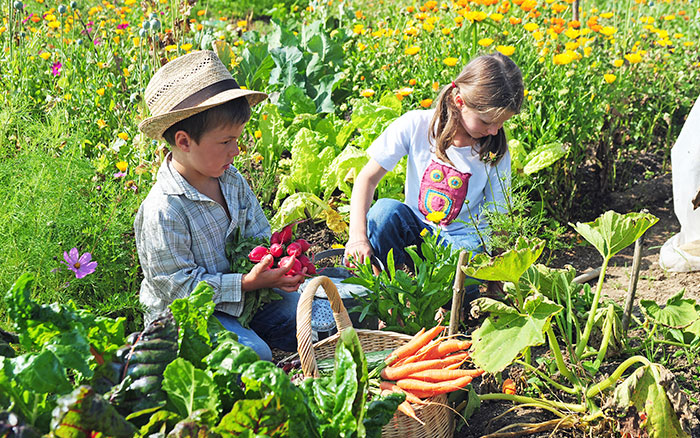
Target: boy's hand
[262, 276]
[356, 252]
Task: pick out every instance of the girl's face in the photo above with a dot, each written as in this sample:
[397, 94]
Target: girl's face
[479, 125]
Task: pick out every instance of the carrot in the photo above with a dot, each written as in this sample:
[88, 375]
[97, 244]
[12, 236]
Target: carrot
[422, 353]
[388, 386]
[429, 389]
[396, 373]
[433, 375]
[405, 407]
[447, 347]
[416, 343]
[508, 386]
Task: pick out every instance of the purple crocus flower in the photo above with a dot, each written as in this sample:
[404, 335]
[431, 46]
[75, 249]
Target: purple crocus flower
[80, 264]
[56, 68]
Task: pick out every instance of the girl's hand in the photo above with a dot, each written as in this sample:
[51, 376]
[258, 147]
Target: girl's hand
[356, 252]
[262, 276]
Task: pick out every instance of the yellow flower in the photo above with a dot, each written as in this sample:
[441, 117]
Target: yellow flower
[101, 91]
[450, 61]
[54, 24]
[423, 232]
[101, 124]
[485, 42]
[44, 55]
[367, 92]
[258, 133]
[405, 91]
[242, 23]
[496, 17]
[608, 30]
[572, 33]
[606, 15]
[446, 30]
[201, 12]
[436, 85]
[258, 158]
[170, 47]
[361, 47]
[337, 246]
[425, 103]
[412, 50]
[126, 72]
[530, 26]
[122, 166]
[633, 58]
[435, 216]
[506, 50]
[476, 16]
[186, 47]
[123, 135]
[618, 62]
[136, 41]
[609, 78]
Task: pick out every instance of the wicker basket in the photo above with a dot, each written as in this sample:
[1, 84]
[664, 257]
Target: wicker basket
[437, 416]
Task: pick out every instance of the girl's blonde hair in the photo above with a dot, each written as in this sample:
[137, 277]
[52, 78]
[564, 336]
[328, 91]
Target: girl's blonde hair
[491, 85]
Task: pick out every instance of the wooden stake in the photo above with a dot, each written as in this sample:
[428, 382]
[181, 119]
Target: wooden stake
[458, 294]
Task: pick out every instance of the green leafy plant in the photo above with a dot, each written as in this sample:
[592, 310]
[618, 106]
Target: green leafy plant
[511, 330]
[407, 302]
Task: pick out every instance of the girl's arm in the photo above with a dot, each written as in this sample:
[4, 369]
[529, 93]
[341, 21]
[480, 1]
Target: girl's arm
[358, 245]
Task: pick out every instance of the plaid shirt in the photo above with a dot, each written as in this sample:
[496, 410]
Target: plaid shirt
[181, 238]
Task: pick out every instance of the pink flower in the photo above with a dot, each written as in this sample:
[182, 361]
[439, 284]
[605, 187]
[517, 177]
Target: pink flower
[122, 25]
[56, 68]
[80, 264]
[119, 174]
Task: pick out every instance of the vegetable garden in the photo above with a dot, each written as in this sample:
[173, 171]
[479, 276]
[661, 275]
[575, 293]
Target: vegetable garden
[605, 85]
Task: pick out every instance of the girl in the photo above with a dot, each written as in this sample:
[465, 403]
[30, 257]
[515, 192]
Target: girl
[458, 164]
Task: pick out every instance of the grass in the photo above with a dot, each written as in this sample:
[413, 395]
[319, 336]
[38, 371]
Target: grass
[51, 200]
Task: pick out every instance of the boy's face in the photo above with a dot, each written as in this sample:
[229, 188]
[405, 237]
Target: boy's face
[212, 155]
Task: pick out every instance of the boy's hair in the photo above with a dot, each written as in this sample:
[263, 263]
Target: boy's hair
[233, 112]
[489, 84]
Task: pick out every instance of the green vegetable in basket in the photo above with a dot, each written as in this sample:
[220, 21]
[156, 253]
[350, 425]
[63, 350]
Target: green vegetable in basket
[339, 401]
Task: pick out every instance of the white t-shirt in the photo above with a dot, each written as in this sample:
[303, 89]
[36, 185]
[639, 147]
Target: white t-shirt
[461, 191]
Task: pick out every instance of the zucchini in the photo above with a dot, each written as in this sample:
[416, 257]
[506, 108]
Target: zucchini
[145, 369]
[156, 344]
[151, 357]
[146, 385]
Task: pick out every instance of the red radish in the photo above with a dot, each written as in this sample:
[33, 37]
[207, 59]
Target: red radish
[275, 238]
[276, 249]
[306, 263]
[304, 245]
[257, 254]
[296, 267]
[294, 249]
[286, 234]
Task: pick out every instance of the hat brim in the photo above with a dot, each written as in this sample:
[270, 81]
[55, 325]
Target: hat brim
[155, 126]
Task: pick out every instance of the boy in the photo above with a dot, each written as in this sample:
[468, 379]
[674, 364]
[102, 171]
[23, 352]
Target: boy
[199, 200]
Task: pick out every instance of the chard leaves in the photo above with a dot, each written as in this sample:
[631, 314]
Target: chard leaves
[188, 388]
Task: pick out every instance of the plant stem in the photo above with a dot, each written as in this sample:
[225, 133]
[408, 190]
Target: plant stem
[540, 402]
[601, 386]
[583, 342]
[543, 376]
[561, 366]
[607, 333]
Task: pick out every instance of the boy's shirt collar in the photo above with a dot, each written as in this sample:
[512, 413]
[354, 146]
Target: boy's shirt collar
[172, 183]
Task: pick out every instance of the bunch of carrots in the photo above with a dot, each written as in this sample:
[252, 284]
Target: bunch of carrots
[426, 366]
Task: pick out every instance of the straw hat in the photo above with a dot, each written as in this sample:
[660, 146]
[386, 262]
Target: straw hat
[189, 85]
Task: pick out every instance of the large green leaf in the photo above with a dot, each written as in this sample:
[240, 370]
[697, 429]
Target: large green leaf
[285, 71]
[612, 232]
[342, 170]
[646, 391]
[542, 157]
[507, 332]
[85, 413]
[192, 315]
[508, 266]
[678, 312]
[188, 388]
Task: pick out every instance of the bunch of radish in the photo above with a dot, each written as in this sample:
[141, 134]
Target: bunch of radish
[283, 248]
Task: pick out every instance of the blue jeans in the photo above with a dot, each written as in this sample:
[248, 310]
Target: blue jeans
[392, 224]
[275, 325]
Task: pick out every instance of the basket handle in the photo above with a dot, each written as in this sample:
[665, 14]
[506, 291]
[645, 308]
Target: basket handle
[340, 314]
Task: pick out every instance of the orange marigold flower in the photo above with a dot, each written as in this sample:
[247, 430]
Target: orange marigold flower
[425, 103]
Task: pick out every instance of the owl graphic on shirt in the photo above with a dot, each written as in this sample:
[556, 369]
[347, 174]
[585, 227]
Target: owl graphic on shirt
[443, 188]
